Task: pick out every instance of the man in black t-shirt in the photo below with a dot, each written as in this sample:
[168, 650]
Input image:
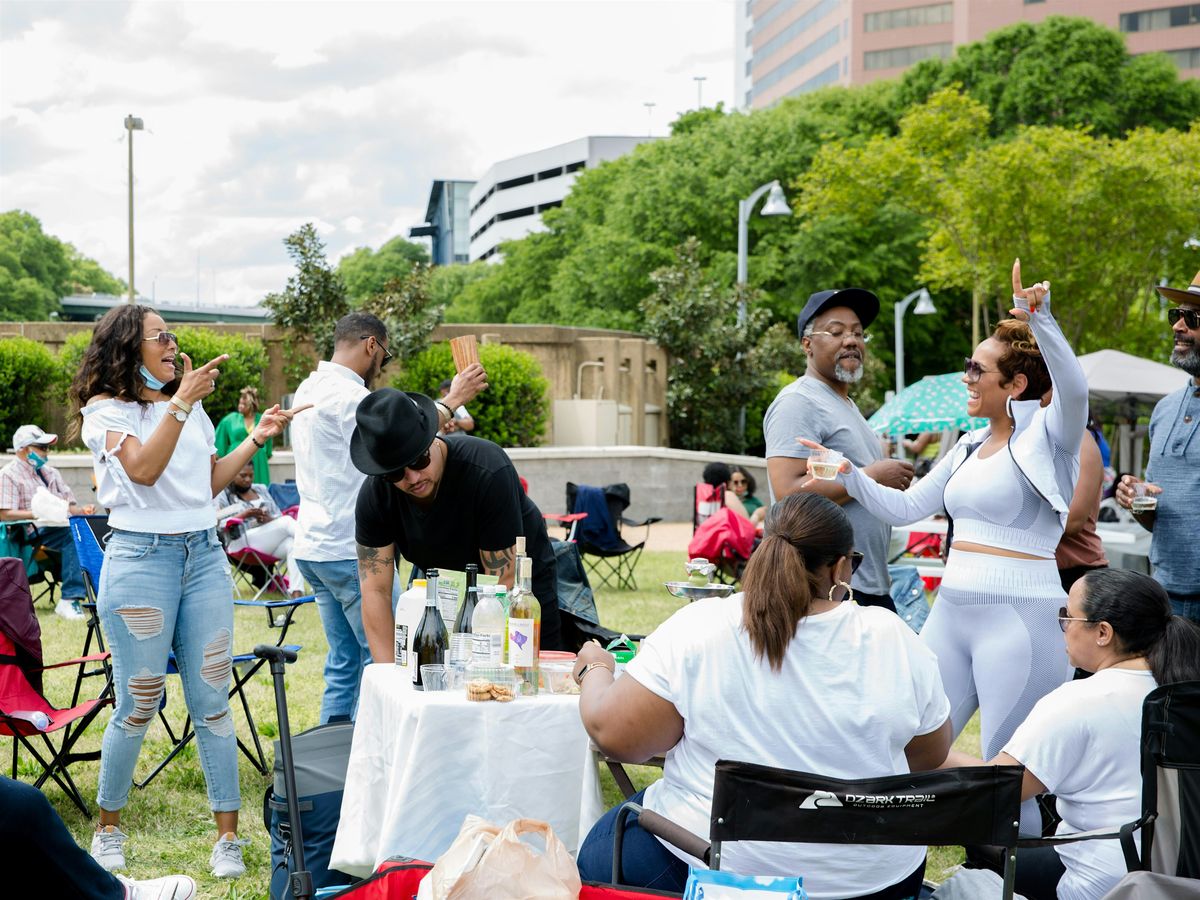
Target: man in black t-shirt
[439, 504]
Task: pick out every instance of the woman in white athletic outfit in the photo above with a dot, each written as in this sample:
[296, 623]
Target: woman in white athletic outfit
[1007, 488]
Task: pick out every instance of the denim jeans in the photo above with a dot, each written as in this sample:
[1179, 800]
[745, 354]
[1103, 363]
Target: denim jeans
[645, 862]
[160, 592]
[59, 538]
[1186, 605]
[339, 601]
[34, 840]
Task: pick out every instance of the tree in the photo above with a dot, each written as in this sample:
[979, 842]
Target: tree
[311, 303]
[88, 276]
[33, 269]
[406, 307]
[367, 271]
[1061, 71]
[717, 365]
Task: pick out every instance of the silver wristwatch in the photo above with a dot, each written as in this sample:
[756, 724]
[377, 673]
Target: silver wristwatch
[179, 414]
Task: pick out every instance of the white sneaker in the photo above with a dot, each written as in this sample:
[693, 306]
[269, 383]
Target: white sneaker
[172, 887]
[226, 859]
[107, 847]
[68, 609]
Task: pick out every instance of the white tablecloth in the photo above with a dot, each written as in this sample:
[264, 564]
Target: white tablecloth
[421, 762]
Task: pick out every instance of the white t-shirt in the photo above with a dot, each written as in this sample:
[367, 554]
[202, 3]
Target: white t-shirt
[326, 478]
[856, 686]
[181, 500]
[1082, 741]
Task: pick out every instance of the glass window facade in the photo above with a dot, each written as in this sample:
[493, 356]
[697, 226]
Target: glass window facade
[1186, 59]
[797, 60]
[797, 28]
[897, 57]
[911, 17]
[1164, 17]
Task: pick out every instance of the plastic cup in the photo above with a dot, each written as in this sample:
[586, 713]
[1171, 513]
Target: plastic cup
[433, 677]
[1143, 501]
[824, 464]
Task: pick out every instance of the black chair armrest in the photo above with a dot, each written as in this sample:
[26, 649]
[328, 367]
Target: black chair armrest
[675, 835]
[633, 523]
[1124, 833]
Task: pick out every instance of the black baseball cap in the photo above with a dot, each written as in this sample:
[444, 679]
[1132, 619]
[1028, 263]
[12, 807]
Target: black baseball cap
[863, 302]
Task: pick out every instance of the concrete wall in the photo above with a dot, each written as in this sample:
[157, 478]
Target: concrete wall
[661, 480]
[595, 362]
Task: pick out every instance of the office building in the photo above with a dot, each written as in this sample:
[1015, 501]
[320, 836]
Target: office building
[789, 47]
[446, 222]
[508, 201]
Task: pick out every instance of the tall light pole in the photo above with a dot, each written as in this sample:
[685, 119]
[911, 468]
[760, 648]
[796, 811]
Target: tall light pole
[776, 205]
[132, 124]
[699, 79]
[924, 307]
[649, 118]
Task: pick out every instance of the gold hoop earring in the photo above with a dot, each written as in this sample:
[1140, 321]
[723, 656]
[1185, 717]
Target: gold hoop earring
[838, 584]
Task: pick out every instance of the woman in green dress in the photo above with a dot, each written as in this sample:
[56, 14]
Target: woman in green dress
[743, 484]
[235, 427]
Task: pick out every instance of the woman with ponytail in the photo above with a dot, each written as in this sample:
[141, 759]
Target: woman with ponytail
[1082, 741]
[785, 674]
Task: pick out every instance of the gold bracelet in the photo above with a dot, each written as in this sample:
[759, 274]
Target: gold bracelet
[592, 666]
[182, 404]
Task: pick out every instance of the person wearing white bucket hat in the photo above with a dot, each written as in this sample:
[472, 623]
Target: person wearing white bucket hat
[19, 481]
[1173, 472]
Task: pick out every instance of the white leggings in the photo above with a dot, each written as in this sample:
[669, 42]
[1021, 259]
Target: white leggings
[275, 539]
[995, 631]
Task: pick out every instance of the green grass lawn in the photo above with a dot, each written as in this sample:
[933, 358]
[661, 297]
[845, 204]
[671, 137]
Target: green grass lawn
[169, 823]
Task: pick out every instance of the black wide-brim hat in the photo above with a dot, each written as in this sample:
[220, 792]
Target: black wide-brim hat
[863, 302]
[393, 429]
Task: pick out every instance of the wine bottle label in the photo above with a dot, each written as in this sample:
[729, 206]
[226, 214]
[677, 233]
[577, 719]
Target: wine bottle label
[520, 642]
[401, 645]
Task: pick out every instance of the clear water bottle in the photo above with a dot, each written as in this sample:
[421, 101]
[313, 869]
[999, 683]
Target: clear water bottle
[36, 718]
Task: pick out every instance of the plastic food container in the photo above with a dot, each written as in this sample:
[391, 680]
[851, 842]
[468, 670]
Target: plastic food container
[556, 677]
[483, 682]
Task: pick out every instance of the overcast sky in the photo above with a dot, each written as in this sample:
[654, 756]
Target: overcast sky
[262, 116]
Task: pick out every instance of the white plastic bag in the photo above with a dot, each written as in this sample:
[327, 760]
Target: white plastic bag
[486, 862]
[49, 509]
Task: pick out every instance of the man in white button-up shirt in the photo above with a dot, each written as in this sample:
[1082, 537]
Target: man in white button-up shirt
[328, 484]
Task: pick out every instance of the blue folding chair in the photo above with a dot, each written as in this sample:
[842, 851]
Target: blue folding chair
[90, 533]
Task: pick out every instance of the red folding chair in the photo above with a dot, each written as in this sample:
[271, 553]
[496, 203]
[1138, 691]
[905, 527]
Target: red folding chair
[47, 733]
[260, 570]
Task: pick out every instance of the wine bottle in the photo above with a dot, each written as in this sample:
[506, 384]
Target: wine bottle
[462, 622]
[525, 630]
[430, 641]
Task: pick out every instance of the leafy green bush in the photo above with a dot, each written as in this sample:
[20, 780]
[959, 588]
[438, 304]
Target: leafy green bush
[245, 367]
[513, 411]
[28, 378]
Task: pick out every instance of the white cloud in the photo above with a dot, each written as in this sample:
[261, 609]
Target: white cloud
[262, 116]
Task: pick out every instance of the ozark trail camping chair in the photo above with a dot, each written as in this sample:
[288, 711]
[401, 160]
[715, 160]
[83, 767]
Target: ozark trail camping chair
[21, 697]
[606, 554]
[975, 804]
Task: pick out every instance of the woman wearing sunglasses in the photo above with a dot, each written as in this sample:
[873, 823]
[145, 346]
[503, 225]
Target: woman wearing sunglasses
[1082, 741]
[784, 674]
[1007, 489]
[165, 584]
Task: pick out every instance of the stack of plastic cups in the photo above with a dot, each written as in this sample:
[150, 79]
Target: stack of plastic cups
[457, 660]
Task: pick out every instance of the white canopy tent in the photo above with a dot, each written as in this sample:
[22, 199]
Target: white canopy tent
[1127, 382]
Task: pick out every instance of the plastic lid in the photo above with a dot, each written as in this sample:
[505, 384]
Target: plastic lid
[419, 582]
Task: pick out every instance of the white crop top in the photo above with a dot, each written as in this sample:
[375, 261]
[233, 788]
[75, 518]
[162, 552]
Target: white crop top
[181, 500]
[980, 497]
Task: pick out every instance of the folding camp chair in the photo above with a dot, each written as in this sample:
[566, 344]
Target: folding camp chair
[605, 552]
[262, 571]
[286, 495]
[43, 565]
[976, 804]
[706, 500]
[22, 703]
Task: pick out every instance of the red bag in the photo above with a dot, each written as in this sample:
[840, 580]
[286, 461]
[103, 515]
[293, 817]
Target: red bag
[395, 879]
[723, 535]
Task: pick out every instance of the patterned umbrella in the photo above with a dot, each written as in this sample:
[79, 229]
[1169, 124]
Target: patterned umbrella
[935, 403]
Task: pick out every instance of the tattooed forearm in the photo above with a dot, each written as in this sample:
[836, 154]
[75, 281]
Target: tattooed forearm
[495, 562]
[375, 560]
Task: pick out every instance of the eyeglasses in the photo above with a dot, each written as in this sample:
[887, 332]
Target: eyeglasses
[387, 357]
[856, 559]
[1191, 317]
[973, 370]
[44, 448]
[736, 481]
[841, 335]
[1063, 619]
[164, 337]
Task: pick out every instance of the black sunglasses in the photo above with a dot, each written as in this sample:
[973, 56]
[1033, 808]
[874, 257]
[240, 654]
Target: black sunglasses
[1191, 317]
[421, 462]
[164, 337]
[973, 370]
[856, 559]
[1063, 619]
[387, 357]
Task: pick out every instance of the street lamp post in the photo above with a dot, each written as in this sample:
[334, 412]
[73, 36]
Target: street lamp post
[924, 307]
[699, 79]
[776, 205]
[132, 124]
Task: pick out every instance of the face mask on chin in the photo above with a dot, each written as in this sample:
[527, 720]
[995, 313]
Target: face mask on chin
[36, 460]
[151, 382]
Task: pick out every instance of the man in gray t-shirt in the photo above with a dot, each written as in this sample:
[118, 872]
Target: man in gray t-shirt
[817, 406]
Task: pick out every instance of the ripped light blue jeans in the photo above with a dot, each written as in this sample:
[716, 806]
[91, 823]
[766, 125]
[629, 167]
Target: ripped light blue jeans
[163, 592]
